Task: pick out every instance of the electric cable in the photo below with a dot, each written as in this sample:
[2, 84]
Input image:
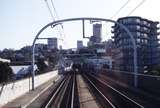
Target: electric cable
[136, 7]
[120, 9]
[50, 11]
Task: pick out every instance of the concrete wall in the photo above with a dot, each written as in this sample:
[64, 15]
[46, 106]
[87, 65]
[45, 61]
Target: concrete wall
[13, 90]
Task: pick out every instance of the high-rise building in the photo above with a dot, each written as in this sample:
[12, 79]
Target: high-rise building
[60, 47]
[145, 33]
[97, 29]
[52, 43]
[79, 44]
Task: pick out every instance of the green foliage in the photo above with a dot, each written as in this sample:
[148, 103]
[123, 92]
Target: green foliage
[52, 61]
[41, 65]
[155, 70]
[6, 73]
[52, 58]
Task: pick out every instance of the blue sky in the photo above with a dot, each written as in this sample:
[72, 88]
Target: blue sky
[21, 19]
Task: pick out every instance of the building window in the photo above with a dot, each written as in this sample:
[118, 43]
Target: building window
[125, 41]
[138, 34]
[138, 20]
[145, 35]
[148, 24]
[145, 29]
[145, 41]
[138, 27]
[144, 22]
[138, 40]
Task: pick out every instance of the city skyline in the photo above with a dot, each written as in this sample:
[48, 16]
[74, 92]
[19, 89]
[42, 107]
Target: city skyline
[21, 20]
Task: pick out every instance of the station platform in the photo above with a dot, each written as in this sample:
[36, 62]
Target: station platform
[25, 100]
[85, 97]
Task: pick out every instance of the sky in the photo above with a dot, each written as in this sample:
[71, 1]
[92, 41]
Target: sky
[20, 20]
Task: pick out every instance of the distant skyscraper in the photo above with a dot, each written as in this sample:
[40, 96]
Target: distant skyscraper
[97, 29]
[52, 43]
[79, 44]
[60, 47]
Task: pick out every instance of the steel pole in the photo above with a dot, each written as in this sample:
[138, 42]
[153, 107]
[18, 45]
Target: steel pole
[33, 50]
[135, 67]
[33, 63]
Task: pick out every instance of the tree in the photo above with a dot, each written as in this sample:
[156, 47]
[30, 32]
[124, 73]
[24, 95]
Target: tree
[41, 65]
[156, 70]
[6, 73]
[7, 54]
[52, 58]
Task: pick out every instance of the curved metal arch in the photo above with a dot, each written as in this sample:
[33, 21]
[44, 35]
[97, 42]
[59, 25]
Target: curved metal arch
[54, 23]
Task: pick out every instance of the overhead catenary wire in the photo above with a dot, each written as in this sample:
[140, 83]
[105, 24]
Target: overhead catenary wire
[61, 29]
[131, 10]
[116, 13]
[136, 7]
[50, 11]
[56, 14]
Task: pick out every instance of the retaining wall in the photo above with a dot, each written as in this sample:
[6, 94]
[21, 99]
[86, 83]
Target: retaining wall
[13, 90]
[148, 83]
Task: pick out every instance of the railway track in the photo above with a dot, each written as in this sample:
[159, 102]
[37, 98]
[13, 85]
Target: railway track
[65, 95]
[108, 96]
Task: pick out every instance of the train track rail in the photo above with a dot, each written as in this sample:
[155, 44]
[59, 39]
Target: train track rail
[65, 95]
[146, 99]
[108, 96]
